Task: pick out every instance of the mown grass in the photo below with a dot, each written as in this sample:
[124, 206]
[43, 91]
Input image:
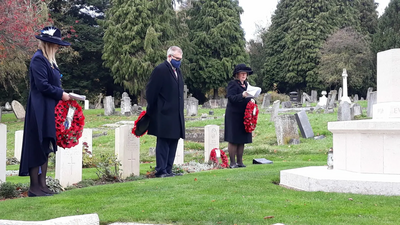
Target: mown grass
[229, 196]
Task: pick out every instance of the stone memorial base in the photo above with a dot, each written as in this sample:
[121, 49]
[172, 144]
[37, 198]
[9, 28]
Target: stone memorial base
[319, 178]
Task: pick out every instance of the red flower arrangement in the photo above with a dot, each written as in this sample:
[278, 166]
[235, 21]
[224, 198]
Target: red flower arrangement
[136, 121]
[67, 138]
[224, 158]
[250, 117]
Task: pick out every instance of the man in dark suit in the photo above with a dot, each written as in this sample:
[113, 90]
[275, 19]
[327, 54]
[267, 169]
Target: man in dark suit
[164, 93]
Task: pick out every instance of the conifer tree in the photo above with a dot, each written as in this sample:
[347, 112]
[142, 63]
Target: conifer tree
[388, 31]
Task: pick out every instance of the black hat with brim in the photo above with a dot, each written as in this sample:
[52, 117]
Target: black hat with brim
[242, 68]
[52, 35]
[142, 125]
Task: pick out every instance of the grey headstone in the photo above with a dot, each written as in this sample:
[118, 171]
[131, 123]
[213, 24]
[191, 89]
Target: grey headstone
[185, 92]
[287, 104]
[355, 98]
[344, 111]
[371, 101]
[275, 109]
[7, 106]
[286, 130]
[266, 101]
[314, 96]
[192, 106]
[306, 99]
[126, 106]
[223, 102]
[18, 109]
[340, 94]
[304, 124]
[109, 108]
[369, 91]
[98, 104]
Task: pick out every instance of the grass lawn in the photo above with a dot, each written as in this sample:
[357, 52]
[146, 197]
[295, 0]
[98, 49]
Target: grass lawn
[228, 196]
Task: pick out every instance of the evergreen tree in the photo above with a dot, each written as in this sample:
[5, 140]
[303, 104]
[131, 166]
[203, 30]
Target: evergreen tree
[218, 42]
[138, 33]
[388, 32]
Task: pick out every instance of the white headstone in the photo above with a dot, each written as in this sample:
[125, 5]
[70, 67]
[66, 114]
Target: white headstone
[109, 107]
[69, 165]
[179, 156]
[18, 109]
[19, 135]
[211, 140]
[275, 109]
[87, 136]
[345, 96]
[3, 152]
[86, 104]
[192, 106]
[126, 106]
[127, 149]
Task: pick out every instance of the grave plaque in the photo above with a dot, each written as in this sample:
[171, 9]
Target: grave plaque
[18, 109]
[3, 152]
[127, 149]
[211, 140]
[304, 124]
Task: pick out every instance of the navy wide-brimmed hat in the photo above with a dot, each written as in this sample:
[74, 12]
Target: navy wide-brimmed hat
[52, 35]
[242, 68]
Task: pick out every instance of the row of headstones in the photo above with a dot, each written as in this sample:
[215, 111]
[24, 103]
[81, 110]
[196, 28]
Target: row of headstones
[127, 148]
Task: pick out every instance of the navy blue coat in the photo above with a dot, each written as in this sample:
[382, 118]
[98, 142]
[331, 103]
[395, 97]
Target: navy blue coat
[39, 127]
[164, 94]
[234, 114]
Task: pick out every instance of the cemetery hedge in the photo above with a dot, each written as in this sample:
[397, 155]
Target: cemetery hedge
[226, 196]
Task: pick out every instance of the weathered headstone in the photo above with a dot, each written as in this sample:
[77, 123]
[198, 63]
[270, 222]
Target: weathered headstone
[331, 102]
[369, 91]
[340, 94]
[126, 104]
[314, 96]
[3, 152]
[223, 102]
[355, 98]
[69, 165]
[306, 99]
[356, 110]
[127, 149]
[304, 124]
[87, 139]
[192, 106]
[344, 113]
[266, 101]
[179, 156]
[211, 140]
[286, 130]
[19, 135]
[109, 107]
[18, 109]
[372, 99]
[185, 92]
[275, 109]
[86, 106]
[8, 106]
[98, 104]
[287, 104]
[322, 100]
[136, 109]
[211, 104]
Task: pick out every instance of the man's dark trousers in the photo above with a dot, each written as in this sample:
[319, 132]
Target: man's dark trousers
[165, 155]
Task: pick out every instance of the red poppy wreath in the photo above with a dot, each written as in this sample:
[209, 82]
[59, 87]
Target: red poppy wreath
[135, 131]
[250, 117]
[69, 123]
[214, 159]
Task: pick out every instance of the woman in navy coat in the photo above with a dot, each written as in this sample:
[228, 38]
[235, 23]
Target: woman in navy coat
[235, 133]
[39, 128]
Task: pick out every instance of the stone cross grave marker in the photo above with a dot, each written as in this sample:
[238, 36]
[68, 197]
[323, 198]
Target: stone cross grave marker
[126, 104]
[3, 152]
[19, 135]
[266, 101]
[275, 109]
[69, 165]
[18, 109]
[192, 106]
[304, 124]
[372, 99]
[180, 154]
[185, 92]
[286, 130]
[127, 149]
[86, 104]
[109, 107]
[344, 111]
[211, 140]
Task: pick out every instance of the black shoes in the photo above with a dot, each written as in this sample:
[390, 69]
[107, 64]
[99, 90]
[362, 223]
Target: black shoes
[241, 165]
[233, 166]
[164, 175]
[31, 194]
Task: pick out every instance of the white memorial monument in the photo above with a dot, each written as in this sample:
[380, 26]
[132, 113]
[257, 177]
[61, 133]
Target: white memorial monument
[127, 150]
[345, 98]
[211, 140]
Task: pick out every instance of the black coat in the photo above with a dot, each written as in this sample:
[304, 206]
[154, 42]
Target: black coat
[164, 94]
[39, 127]
[234, 114]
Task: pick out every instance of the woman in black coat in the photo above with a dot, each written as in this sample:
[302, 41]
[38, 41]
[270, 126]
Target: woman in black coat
[39, 128]
[235, 133]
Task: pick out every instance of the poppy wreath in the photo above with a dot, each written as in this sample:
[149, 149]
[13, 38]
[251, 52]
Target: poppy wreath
[68, 138]
[250, 117]
[136, 121]
[224, 158]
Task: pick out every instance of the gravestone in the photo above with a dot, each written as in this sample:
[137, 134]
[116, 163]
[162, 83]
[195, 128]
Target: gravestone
[286, 130]
[0, 114]
[69, 165]
[369, 91]
[87, 139]
[345, 96]
[355, 110]
[8, 106]
[371, 102]
[136, 110]
[180, 154]
[304, 124]
[211, 104]
[340, 94]
[275, 109]
[185, 92]
[18, 109]
[86, 104]
[3, 152]
[211, 140]
[126, 105]
[266, 101]
[98, 104]
[331, 102]
[127, 150]
[344, 113]
[322, 101]
[287, 104]
[223, 102]
[355, 98]
[306, 99]
[109, 107]
[19, 135]
[192, 106]
[314, 96]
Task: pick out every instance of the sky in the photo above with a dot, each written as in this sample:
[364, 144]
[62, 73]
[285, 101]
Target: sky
[260, 11]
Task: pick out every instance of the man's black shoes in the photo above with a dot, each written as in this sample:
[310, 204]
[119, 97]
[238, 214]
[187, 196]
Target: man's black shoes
[164, 175]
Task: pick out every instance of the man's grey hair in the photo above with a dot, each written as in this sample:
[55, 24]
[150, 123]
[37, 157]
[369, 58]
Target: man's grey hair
[174, 49]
